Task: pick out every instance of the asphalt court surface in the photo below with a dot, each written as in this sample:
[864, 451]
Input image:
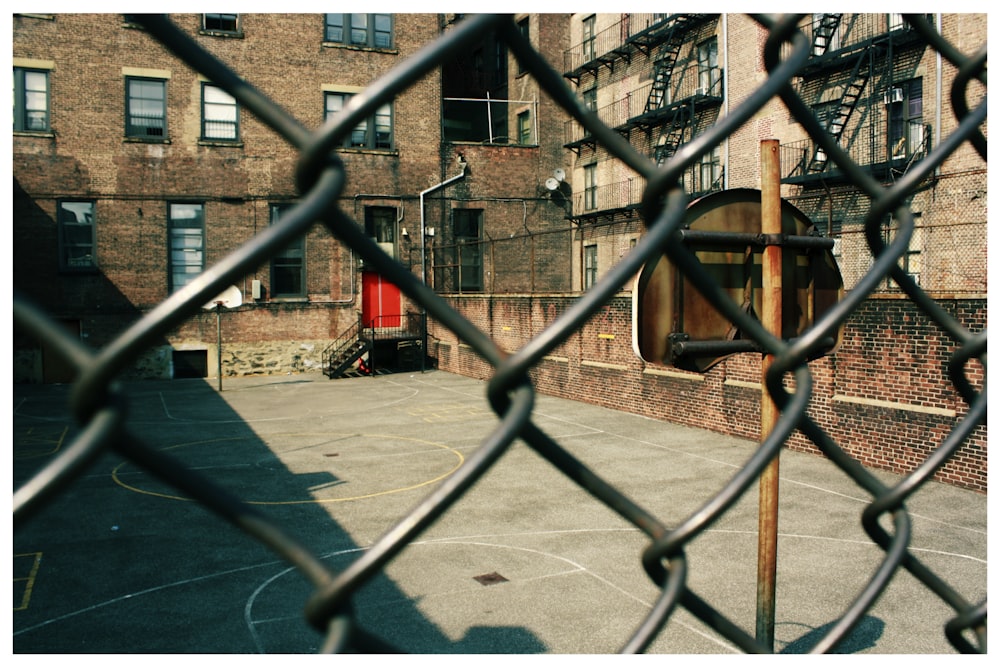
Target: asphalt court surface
[525, 562]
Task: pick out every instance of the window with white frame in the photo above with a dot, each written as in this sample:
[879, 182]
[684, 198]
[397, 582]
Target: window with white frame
[372, 30]
[709, 73]
[220, 114]
[31, 100]
[186, 229]
[374, 132]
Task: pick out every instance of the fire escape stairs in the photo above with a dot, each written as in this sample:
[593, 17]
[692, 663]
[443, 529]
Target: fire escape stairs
[671, 135]
[339, 364]
[853, 91]
[824, 32]
[666, 60]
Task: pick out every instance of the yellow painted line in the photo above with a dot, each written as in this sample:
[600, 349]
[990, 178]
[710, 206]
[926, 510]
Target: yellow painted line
[448, 412]
[315, 501]
[606, 336]
[35, 443]
[29, 579]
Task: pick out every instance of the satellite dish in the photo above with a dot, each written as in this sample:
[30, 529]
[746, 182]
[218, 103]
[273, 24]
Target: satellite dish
[560, 175]
[231, 297]
[551, 184]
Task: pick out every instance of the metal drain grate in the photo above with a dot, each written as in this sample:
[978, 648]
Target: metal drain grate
[490, 579]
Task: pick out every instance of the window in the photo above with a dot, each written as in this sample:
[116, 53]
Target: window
[525, 29]
[374, 30]
[76, 235]
[221, 22]
[146, 108]
[589, 38]
[589, 266]
[186, 224]
[709, 171]
[362, 136]
[906, 119]
[910, 260]
[288, 266]
[524, 128]
[896, 22]
[468, 238]
[380, 227]
[825, 113]
[590, 98]
[31, 100]
[709, 73]
[220, 115]
[590, 187]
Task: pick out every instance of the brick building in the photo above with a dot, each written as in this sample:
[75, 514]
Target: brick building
[131, 173]
[661, 80]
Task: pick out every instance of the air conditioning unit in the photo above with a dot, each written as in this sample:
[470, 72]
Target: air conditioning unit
[892, 96]
[700, 91]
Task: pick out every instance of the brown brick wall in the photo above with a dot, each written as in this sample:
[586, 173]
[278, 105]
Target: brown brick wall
[882, 396]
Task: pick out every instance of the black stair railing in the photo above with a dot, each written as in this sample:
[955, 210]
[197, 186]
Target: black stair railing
[344, 350]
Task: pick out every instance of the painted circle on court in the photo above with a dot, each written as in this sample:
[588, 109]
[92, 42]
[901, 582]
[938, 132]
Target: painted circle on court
[300, 468]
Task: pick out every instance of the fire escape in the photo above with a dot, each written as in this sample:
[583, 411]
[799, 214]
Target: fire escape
[858, 54]
[666, 123]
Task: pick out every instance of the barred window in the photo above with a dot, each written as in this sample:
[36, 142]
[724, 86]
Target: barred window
[220, 114]
[146, 108]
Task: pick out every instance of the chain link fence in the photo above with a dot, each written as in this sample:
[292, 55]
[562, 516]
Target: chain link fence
[101, 408]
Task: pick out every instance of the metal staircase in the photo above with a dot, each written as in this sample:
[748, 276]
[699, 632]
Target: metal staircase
[340, 355]
[853, 91]
[824, 32]
[666, 60]
[672, 134]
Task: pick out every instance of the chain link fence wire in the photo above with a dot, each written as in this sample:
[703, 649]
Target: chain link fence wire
[100, 407]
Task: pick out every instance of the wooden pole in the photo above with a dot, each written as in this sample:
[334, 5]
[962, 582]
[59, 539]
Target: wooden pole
[767, 527]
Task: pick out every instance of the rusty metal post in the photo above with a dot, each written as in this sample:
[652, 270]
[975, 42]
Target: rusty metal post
[218, 336]
[767, 525]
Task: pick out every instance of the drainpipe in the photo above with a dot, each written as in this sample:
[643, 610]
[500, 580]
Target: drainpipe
[423, 248]
[725, 92]
[423, 238]
[938, 93]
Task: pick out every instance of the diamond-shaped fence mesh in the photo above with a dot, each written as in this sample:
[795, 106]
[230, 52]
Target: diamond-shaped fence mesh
[100, 407]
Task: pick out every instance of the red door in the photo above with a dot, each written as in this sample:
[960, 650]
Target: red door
[380, 301]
